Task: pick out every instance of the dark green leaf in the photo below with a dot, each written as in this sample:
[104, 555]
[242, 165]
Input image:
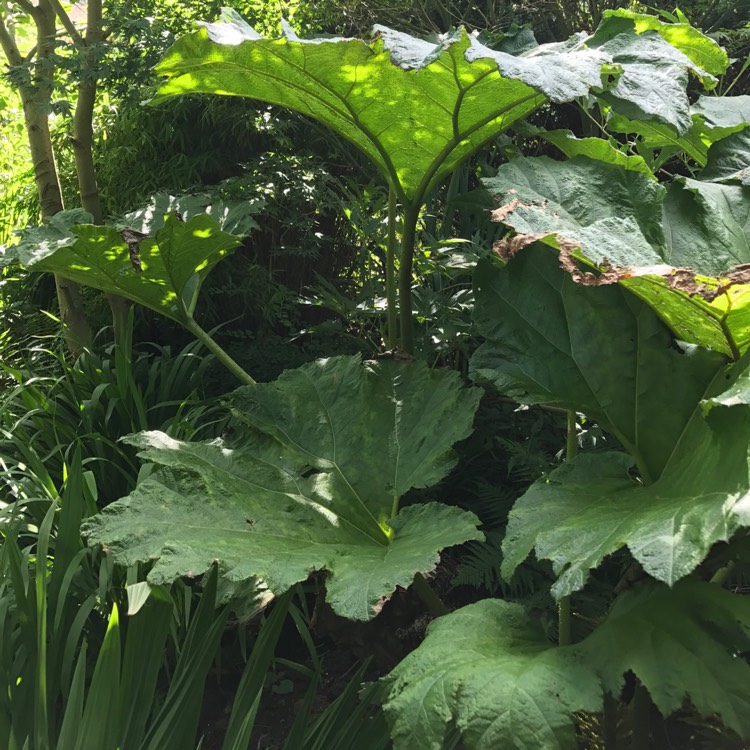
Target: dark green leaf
[724, 112]
[729, 159]
[590, 507]
[595, 350]
[490, 671]
[342, 442]
[682, 643]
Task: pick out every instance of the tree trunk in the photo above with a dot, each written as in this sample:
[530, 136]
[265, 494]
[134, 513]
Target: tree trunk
[36, 98]
[83, 141]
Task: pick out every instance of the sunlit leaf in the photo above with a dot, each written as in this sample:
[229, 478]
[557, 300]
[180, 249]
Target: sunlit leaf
[703, 51]
[418, 108]
[595, 148]
[163, 272]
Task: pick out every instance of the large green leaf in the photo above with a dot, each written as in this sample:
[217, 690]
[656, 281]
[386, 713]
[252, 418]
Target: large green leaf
[703, 52]
[418, 108]
[725, 113]
[43, 240]
[489, 671]
[591, 507]
[234, 217]
[708, 226]
[682, 643]
[600, 351]
[713, 119]
[729, 159]
[676, 250]
[595, 350]
[654, 58]
[315, 492]
[164, 272]
[611, 213]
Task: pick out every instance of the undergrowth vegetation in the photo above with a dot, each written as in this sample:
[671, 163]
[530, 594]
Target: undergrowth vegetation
[418, 413]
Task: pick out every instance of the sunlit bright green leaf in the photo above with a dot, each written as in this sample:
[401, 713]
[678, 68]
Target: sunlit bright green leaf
[595, 148]
[418, 108]
[163, 272]
[703, 51]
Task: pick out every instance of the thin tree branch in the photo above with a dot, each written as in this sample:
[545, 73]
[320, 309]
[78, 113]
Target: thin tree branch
[66, 21]
[8, 43]
[26, 7]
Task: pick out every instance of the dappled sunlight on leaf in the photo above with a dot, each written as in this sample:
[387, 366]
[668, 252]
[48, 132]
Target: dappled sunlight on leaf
[330, 445]
[166, 267]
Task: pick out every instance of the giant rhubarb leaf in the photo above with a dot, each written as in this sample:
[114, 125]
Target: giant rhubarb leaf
[418, 108]
[684, 251]
[597, 350]
[489, 671]
[729, 159]
[682, 643]
[600, 351]
[653, 70]
[704, 53]
[164, 271]
[334, 444]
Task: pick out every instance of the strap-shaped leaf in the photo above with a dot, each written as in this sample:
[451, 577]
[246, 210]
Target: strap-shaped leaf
[490, 672]
[316, 492]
